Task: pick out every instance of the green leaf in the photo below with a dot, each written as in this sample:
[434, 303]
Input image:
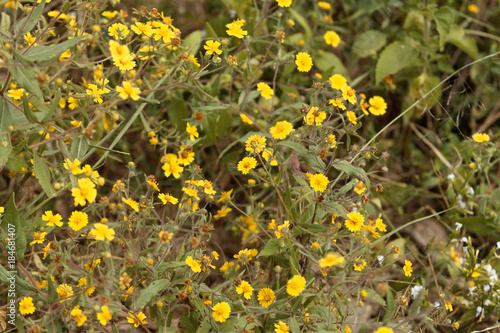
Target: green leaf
[4, 22]
[27, 23]
[147, 293]
[52, 292]
[353, 171]
[274, 246]
[466, 44]
[316, 228]
[12, 217]
[444, 20]
[368, 43]
[53, 106]
[79, 148]
[303, 22]
[329, 61]
[333, 207]
[294, 262]
[394, 58]
[316, 163]
[210, 31]
[193, 41]
[26, 78]
[6, 120]
[294, 325]
[177, 112]
[45, 54]
[42, 173]
[389, 310]
[27, 110]
[22, 287]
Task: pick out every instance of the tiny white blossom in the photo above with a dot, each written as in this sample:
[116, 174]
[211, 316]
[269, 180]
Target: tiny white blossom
[487, 302]
[458, 226]
[479, 311]
[462, 204]
[437, 305]
[471, 191]
[415, 291]
[380, 259]
[464, 239]
[451, 176]
[498, 245]
[486, 288]
[471, 291]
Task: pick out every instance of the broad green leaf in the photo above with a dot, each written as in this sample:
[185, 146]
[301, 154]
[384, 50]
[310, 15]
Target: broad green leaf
[79, 148]
[27, 110]
[4, 22]
[303, 22]
[294, 261]
[210, 31]
[444, 20]
[30, 20]
[352, 171]
[42, 173]
[147, 293]
[333, 207]
[193, 40]
[389, 310]
[51, 293]
[394, 58]
[177, 112]
[316, 163]
[329, 61]
[274, 246]
[294, 325]
[26, 78]
[466, 44]
[45, 54]
[6, 120]
[22, 287]
[368, 43]
[420, 86]
[12, 217]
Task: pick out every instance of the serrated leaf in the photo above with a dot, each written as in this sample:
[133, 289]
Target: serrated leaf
[42, 173]
[12, 217]
[274, 246]
[27, 23]
[147, 293]
[44, 54]
[394, 58]
[368, 43]
[444, 20]
[26, 78]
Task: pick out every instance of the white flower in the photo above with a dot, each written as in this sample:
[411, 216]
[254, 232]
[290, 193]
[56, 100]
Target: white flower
[479, 311]
[470, 190]
[462, 204]
[487, 302]
[464, 239]
[451, 176]
[458, 226]
[459, 197]
[380, 259]
[471, 291]
[437, 305]
[415, 291]
[486, 288]
[498, 245]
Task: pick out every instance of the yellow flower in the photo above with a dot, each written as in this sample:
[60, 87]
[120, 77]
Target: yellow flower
[380, 225]
[448, 306]
[337, 81]
[109, 14]
[315, 117]
[349, 94]
[26, 306]
[185, 156]
[265, 90]
[72, 104]
[29, 39]
[255, 144]
[268, 154]
[331, 259]
[352, 117]
[304, 62]
[171, 166]
[131, 203]
[222, 310]
[378, 106]
[295, 285]
[266, 297]
[355, 221]
[384, 330]
[332, 38]
[407, 268]
[192, 131]
[191, 192]
[281, 130]
[234, 29]
[481, 137]
[85, 191]
[164, 33]
[318, 182]
[281, 327]
[167, 198]
[65, 55]
[73, 166]
[165, 236]
[104, 316]
[212, 46]
[52, 219]
[359, 188]
[102, 232]
[360, 267]
[78, 220]
[247, 164]
[337, 102]
[284, 3]
[95, 93]
[245, 119]
[16, 94]
[38, 238]
[195, 265]
[128, 90]
[125, 63]
[142, 29]
[473, 8]
[222, 213]
[118, 50]
[225, 196]
[118, 31]
[324, 5]
[245, 288]
[139, 319]
[64, 291]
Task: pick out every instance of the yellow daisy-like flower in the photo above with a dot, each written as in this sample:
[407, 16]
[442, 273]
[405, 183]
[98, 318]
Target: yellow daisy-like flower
[245, 288]
[78, 220]
[331, 259]
[65, 55]
[295, 285]
[378, 106]
[128, 90]
[193, 193]
[337, 102]
[172, 166]
[280, 327]
[352, 117]
[481, 137]
[473, 8]
[284, 3]
[318, 182]
[52, 219]
[304, 62]
[212, 46]
[139, 319]
[73, 166]
[235, 29]
[245, 119]
[355, 221]
[192, 131]
[142, 29]
[164, 33]
[315, 117]
[265, 90]
[384, 330]
[38, 238]
[268, 154]
[85, 192]
[349, 94]
[26, 306]
[222, 213]
[195, 265]
[380, 225]
[266, 297]
[125, 63]
[168, 198]
[102, 232]
[281, 130]
[118, 31]
[255, 144]
[332, 38]
[247, 164]
[165, 236]
[16, 94]
[361, 266]
[95, 93]
[104, 316]
[337, 81]
[118, 50]
[64, 291]
[131, 203]
[222, 310]
[407, 268]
